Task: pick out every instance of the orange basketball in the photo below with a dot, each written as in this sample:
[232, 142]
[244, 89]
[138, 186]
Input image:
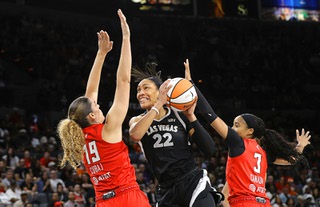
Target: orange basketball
[181, 95]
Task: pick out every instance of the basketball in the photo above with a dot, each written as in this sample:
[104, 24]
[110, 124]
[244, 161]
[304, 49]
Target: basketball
[181, 95]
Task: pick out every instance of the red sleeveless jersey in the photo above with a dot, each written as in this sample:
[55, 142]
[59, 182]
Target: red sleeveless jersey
[246, 174]
[108, 164]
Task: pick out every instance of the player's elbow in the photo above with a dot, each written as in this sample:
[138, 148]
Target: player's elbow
[207, 146]
[135, 137]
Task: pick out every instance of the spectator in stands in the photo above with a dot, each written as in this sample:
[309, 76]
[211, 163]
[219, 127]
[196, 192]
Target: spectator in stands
[280, 184]
[27, 159]
[136, 155]
[12, 160]
[54, 201]
[290, 202]
[28, 185]
[278, 202]
[36, 168]
[43, 183]
[18, 179]
[21, 169]
[308, 195]
[284, 195]
[4, 198]
[152, 194]
[270, 183]
[63, 195]
[300, 201]
[13, 192]
[54, 180]
[3, 169]
[86, 183]
[90, 198]
[146, 174]
[8, 178]
[79, 196]
[70, 202]
[22, 201]
[316, 196]
[292, 190]
[72, 180]
[46, 159]
[309, 201]
[309, 184]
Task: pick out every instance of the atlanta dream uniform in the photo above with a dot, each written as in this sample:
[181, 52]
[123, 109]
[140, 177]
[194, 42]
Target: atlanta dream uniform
[110, 171]
[168, 151]
[246, 172]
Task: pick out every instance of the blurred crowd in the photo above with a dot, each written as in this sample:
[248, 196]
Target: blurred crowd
[270, 68]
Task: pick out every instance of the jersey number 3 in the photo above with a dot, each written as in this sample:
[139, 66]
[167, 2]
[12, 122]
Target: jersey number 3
[91, 150]
[257, 168]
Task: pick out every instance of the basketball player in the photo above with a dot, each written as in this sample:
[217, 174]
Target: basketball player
[165, 137]
[251, 148]
[86, 135]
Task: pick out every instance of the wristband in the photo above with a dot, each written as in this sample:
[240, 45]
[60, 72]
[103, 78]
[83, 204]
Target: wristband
[155, 109]
[194, 124]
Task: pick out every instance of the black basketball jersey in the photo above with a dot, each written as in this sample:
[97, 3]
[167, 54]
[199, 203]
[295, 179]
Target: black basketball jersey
[167, 148]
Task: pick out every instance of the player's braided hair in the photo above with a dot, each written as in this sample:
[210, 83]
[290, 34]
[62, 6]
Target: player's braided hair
[275, 144]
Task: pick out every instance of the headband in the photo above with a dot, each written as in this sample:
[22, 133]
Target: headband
[249, 119]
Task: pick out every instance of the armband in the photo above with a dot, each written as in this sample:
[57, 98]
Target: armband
[204, 107]
[202, 139]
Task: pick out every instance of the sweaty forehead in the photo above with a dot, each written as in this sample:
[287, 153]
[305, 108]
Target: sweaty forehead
[145, 82]
[239, 120]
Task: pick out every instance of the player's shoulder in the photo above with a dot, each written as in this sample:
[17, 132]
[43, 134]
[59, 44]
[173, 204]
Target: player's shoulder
[135, 119]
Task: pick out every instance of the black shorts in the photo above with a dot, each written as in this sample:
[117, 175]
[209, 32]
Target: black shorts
[185, 191]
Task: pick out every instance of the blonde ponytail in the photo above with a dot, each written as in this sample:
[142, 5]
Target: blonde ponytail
[72, 142]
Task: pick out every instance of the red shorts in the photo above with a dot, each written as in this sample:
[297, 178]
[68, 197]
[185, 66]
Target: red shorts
[249, 201]
[132, 198]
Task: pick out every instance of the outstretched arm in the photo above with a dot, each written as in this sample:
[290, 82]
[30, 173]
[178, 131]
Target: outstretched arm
[206, 110]
[104, 46]
[113, 131]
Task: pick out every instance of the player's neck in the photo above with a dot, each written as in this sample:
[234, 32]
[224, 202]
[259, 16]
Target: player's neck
[162, 112]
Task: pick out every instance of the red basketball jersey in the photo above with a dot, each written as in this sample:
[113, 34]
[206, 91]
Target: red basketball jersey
[108, 164]
[246, 174]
